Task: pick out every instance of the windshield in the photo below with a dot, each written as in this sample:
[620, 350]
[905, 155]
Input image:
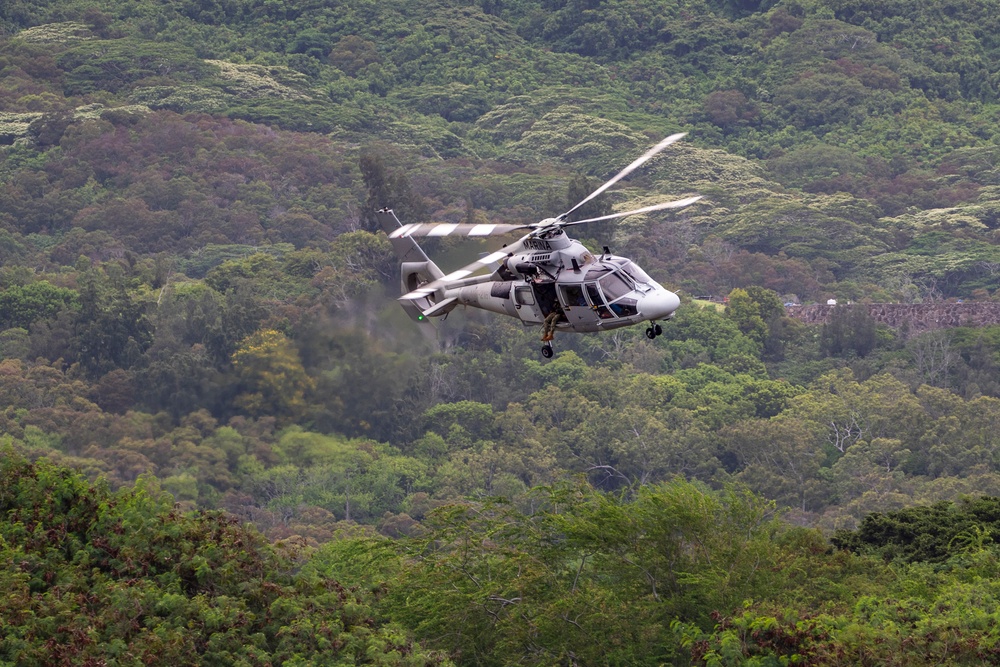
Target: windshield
[636, 274]
[615, 286]
[596, 272]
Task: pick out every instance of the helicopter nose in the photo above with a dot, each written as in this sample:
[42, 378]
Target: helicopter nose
[658, 305]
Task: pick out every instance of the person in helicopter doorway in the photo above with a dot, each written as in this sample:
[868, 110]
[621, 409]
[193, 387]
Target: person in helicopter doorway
[554, 317]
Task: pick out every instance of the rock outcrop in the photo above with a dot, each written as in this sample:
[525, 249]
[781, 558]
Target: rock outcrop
[916, 317]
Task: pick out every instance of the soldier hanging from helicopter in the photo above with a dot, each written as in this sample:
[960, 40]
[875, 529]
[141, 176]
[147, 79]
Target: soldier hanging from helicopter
[548, 302]
[554, 316]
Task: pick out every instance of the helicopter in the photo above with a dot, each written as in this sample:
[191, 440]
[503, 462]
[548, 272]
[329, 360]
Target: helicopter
[544, 273]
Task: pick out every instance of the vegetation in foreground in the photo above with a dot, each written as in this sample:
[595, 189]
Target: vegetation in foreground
[92, 576]
[674, 574]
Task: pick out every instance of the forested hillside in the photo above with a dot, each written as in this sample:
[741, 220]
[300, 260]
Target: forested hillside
[195, 300]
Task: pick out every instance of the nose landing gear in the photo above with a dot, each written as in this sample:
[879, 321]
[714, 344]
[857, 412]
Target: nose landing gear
[653, 331]
[547, 350]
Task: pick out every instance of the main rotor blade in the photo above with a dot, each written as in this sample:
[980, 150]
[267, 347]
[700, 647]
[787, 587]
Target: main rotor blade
[628, 170]
[447, 229]
[680, 203]
[464, 272]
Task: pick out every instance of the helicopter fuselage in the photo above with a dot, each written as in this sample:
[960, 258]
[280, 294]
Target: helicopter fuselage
[595, 293]
[544, 277]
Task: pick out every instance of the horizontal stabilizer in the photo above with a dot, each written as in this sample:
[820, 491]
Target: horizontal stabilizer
[442, 307]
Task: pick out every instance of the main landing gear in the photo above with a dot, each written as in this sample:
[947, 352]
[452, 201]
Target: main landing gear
[547, 350]
[653, 331]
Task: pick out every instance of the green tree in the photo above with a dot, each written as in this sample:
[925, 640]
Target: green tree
[81, 565]
[496, 586]
[742, 309]
[312, 43]
[924, 533]
[850, 329]
[579, 188]
[352, 54]
[758, 312]
[21, 305]
[779, 459]
[112, 329]
[847, 411]
[271, 377]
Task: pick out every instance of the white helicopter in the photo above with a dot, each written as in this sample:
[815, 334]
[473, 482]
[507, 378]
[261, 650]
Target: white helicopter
[543, 272]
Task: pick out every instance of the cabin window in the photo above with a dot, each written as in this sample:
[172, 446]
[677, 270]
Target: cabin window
[573, 296]
[523, 296]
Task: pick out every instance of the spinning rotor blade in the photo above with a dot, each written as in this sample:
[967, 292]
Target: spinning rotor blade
[447, 229]
[458, 274]
[680, 203]
[627, 170]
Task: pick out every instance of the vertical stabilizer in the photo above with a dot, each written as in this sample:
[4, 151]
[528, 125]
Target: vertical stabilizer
[415, 268]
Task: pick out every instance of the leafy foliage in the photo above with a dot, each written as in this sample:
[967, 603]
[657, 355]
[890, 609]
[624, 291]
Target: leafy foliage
[496, 586]
[925, 534]
[92, 574]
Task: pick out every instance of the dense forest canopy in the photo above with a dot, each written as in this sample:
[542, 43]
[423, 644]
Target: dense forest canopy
[197, 316]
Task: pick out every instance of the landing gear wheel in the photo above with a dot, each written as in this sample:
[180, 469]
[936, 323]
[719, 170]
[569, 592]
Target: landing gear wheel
[657, 329]
[650, 333]
[547, 351]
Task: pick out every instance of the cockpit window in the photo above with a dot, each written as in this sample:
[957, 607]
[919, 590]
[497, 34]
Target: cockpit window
[625, 308]
[596, 272]
[635, 273]
[615, 286]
